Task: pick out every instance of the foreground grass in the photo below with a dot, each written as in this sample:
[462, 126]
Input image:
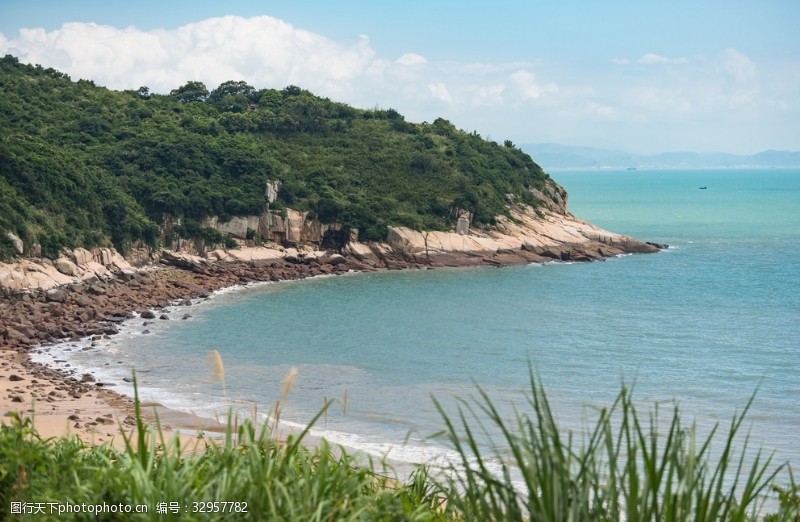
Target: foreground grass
[624, 469]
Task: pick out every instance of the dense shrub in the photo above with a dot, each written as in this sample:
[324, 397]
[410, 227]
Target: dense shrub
[84, 165]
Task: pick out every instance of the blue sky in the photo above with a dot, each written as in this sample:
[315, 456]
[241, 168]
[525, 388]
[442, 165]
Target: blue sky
[639, 76]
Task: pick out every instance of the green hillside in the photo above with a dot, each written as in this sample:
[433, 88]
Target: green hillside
[83, 165]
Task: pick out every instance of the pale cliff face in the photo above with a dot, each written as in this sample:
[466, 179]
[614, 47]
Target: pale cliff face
[75, 266]
[529, 234]
[526, 229]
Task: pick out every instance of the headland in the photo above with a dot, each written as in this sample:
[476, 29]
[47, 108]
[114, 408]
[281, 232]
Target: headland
[87, 294]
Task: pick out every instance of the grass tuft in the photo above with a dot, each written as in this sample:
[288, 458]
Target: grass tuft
[627, 467]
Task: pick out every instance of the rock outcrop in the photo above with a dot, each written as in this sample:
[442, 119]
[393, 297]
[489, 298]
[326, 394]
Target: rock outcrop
[546, 233]
[16, 243]
[527, 236]
[288, 227]
[77, 266]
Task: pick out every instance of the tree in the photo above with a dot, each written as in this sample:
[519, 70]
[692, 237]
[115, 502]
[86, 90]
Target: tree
[232, 96]
[191, 92]
[292, 90]
[84, 165]
[231, 88]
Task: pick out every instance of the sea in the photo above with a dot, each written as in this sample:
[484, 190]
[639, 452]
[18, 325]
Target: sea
[705, 325]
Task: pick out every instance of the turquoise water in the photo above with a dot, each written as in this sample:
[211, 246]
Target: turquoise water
[704, 323]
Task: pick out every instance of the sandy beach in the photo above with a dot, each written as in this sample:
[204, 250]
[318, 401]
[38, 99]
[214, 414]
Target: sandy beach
[60, 407]
[63, 404]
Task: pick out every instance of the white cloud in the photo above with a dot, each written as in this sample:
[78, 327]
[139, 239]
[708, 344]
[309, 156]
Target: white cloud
[655, 59]
[262, 50]
[440, 92]
[268, 52]
[411, 59]
[671, 102]
[602, 110]
[738, 65]
[484, 95]
[503, 97]
[527, 86]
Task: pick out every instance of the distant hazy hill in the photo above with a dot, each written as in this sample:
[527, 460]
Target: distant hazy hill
[555, 156]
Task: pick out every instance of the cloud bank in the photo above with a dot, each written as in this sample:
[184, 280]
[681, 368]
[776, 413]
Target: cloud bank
[629, 99]
[265, 52]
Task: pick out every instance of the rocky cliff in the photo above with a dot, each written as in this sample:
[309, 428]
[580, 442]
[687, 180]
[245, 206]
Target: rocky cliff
[549, 232]
[526, 234]
[74, 266]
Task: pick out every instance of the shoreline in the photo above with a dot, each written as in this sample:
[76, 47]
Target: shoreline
[70, 404]
[63, 403]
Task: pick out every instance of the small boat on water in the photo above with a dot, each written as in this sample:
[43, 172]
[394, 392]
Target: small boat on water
[703, 187]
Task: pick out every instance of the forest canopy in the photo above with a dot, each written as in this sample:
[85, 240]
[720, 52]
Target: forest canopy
[83, 165]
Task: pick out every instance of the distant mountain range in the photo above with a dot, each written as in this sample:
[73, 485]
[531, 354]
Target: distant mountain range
[555, 156]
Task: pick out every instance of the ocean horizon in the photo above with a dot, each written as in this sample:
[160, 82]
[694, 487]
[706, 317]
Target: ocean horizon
[703, 325]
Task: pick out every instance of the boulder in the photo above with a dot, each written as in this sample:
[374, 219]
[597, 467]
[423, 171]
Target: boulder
[55, 296]
[15, 336]
[97, 289]
[117, 263]
[127, 275]
[94, 269]
[11, 282]
[66, 267]
[81, 256]
[103, 255]
[530, 246]
[336, 259]
[16, 242]
[83, 301]
[181, 260]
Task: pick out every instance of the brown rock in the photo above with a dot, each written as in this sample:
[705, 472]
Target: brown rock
[56, 310]
[56, 295]
[97, 289]
[82, 300]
